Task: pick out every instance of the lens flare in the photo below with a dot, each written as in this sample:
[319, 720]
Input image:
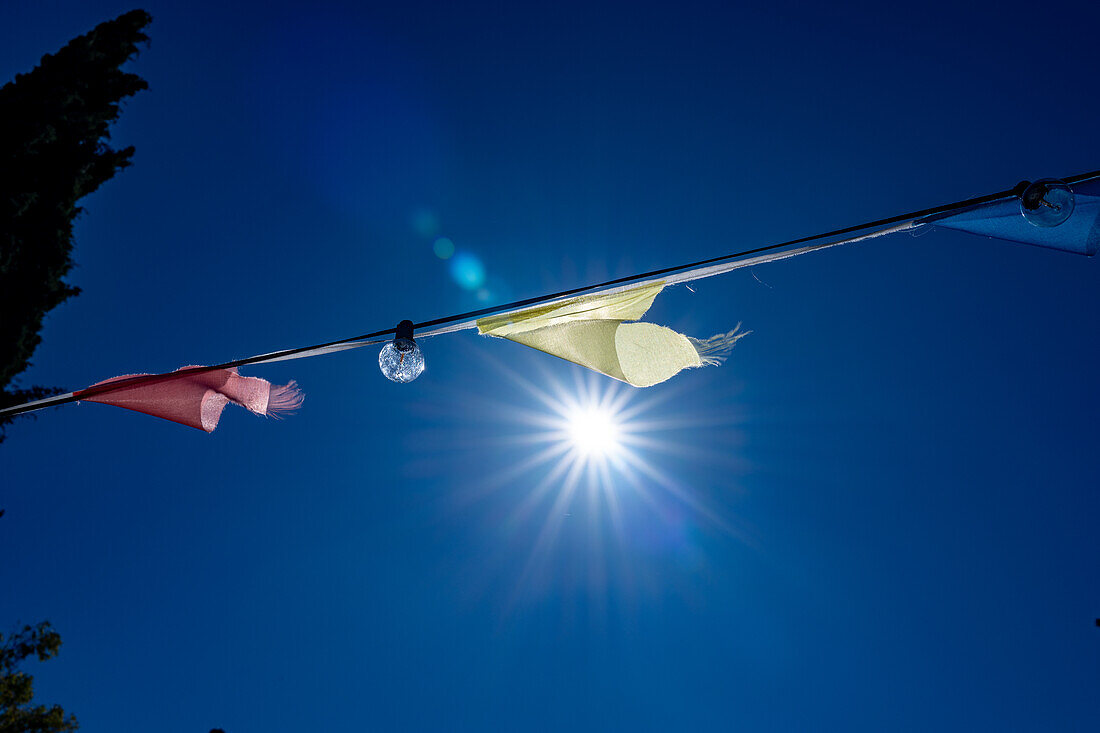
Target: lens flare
[425, 222]
[467, 271]
[444, 248]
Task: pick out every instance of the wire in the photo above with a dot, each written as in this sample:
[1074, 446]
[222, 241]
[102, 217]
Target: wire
[376, 337]
[1015, 190]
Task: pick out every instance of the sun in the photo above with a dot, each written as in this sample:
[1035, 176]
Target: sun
[588, 467]
[593, 430]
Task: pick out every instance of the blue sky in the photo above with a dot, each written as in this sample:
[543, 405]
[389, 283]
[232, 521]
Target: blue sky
[879, 514]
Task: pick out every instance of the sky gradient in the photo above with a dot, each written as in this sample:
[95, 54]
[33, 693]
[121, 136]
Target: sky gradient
[879, 514]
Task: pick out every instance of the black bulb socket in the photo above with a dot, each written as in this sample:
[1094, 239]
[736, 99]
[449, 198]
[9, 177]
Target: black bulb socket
[403, 339]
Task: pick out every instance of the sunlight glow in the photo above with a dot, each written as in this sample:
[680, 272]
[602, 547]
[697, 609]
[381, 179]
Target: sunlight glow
[599, 466]
[593, 431]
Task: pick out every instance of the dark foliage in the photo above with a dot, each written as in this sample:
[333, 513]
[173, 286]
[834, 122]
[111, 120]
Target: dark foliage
[17, 714]
[54, 124]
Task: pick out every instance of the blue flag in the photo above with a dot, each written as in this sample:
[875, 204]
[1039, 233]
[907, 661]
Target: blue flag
[1006, 219]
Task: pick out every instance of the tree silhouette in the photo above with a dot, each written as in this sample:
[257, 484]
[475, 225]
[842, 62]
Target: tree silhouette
[54, 124]
[17, 715]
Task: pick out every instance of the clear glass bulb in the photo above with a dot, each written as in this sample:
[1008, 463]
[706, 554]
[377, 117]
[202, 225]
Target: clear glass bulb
[1047, 203]
[401, 360]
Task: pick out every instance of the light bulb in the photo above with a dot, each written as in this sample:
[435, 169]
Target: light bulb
[401, 359]
[1047, 203]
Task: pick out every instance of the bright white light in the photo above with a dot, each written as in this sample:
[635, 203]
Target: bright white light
[593, 431]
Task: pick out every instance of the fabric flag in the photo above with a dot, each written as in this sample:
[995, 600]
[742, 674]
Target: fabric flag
[1004, 219]
[194, 395]
[592, 331]
[601, 330]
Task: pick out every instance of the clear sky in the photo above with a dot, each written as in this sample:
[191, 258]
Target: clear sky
[880, 514]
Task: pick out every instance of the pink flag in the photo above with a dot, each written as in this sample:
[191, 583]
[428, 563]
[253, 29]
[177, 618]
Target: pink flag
[194, 395]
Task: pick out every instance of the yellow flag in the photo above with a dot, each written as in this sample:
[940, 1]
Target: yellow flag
[590, 330]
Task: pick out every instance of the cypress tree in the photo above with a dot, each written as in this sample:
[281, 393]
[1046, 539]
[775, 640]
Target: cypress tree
[54, 128]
